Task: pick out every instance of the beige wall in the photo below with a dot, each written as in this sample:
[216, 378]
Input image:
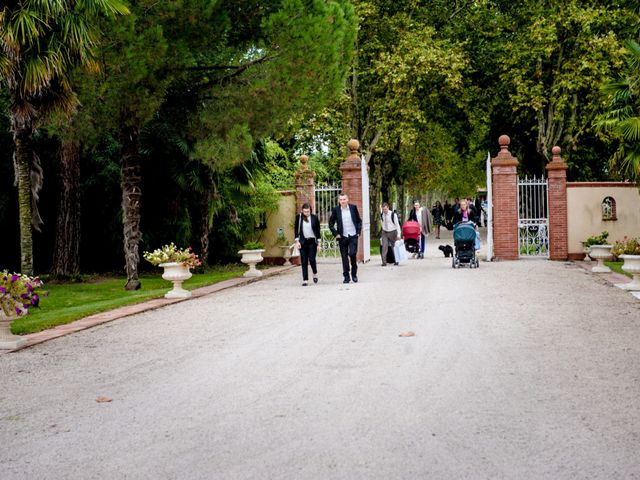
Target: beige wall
[585, 215]
[283, 218]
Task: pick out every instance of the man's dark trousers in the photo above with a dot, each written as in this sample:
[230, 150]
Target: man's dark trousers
[348, 251]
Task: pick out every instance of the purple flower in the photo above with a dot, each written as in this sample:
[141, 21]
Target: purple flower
[24, 295]
[35, 300]
[14, 278]
[18, 311]
[3, 290]
[29, 288]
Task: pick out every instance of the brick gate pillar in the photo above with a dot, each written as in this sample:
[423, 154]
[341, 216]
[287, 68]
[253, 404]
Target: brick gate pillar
[351, 170]
[505, 202]
[557, 175]
[305, 185]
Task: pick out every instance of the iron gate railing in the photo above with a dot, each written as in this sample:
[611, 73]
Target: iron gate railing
[326, 199]
[533, 217]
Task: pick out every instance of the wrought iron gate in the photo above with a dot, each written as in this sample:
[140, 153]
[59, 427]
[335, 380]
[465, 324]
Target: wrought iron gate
[533, 217]
[326, 199]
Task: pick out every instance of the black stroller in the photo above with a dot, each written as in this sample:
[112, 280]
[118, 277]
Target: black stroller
[464, 239]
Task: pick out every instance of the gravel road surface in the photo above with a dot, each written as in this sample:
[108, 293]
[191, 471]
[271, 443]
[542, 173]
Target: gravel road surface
[517, 370]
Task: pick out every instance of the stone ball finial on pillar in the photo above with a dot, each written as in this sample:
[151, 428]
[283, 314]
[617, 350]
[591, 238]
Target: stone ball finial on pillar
[353, 145]
[504, 156]
[304, 162]
[556, 163]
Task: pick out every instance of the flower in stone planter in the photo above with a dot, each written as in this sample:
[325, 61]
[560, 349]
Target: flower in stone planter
[628, 246]
[18, 293]
[597, 239]
[170, 253]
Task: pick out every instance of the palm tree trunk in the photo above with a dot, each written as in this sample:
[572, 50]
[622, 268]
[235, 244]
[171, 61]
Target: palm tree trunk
[22, 137]
[131, 196]
[205, 230]
[66, 254]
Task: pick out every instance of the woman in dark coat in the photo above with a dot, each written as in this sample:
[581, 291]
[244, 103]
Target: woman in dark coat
[307, 232]
[438, 213]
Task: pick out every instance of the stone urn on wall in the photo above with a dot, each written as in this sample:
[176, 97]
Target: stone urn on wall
[632, 266]
[601, 253]
[176, 273]
[286, 254]
[9, 341]
[252, 258]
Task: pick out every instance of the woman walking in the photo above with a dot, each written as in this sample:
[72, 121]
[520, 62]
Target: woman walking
[438, 213]
[307, 238]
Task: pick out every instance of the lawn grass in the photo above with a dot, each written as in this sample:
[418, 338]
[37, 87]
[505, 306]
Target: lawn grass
[66, 302]
[617, 267]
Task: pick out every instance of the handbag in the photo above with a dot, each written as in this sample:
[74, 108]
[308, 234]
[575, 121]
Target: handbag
[400, 252]
[295, 251]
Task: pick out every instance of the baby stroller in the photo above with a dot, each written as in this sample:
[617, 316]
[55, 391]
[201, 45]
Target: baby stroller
[464, 239]
[411, 234]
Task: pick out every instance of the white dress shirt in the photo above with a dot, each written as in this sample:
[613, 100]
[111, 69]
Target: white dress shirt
[307, 231]
[348, 227]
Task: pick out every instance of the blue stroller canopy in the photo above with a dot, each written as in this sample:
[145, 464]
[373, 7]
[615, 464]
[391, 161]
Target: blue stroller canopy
[464, 232]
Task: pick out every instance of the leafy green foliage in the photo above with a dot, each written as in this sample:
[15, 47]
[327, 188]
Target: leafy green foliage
[621, 120]
[597, 239]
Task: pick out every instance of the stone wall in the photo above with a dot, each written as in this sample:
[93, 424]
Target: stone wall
[282, 218]
[584, 212]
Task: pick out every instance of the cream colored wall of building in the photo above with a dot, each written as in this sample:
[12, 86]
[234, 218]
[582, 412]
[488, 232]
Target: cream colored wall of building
[283, 218]
[585, 214]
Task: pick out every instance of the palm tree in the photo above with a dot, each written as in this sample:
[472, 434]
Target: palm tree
[622, 118]
[40, 43]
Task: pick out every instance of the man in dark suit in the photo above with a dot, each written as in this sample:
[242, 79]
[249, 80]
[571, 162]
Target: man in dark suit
[349, 226]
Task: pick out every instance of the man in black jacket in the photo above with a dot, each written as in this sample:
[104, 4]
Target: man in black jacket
[349, 225]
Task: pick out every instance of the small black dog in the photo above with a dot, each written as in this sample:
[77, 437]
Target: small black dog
[447, 250]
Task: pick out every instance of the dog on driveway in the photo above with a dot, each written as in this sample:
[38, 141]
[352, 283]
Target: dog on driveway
[447, 250]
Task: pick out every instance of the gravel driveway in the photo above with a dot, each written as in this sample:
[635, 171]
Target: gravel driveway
[517, 370]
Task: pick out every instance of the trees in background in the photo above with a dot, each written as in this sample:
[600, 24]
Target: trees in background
[40, 43]
[199, 109]
[621, 120]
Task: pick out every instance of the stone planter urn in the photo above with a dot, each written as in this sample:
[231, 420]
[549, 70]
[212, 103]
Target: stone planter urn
[631, 265]
[251, 258]
[585, 250]
[286, 254]
[176, 273]
[9, 341]
[601, 253]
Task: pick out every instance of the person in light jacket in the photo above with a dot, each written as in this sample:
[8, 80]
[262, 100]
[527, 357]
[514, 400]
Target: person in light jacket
[421, 215]
[307, 232]
[389, 231]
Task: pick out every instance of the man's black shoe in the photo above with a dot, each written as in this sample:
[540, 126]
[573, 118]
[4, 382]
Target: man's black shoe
[354, 278]
[395, 263]
[346, 280]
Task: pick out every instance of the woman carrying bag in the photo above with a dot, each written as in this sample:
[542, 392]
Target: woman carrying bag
[307, 232]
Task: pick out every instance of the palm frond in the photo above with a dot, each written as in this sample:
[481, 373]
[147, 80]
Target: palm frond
[630, 129]
[634, 53]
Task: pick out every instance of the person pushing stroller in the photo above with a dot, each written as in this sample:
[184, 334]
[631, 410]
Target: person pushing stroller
[421, 215]
[466, 237]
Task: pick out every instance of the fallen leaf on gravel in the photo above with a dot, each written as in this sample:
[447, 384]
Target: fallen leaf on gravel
[407, 334]
[103, 399]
